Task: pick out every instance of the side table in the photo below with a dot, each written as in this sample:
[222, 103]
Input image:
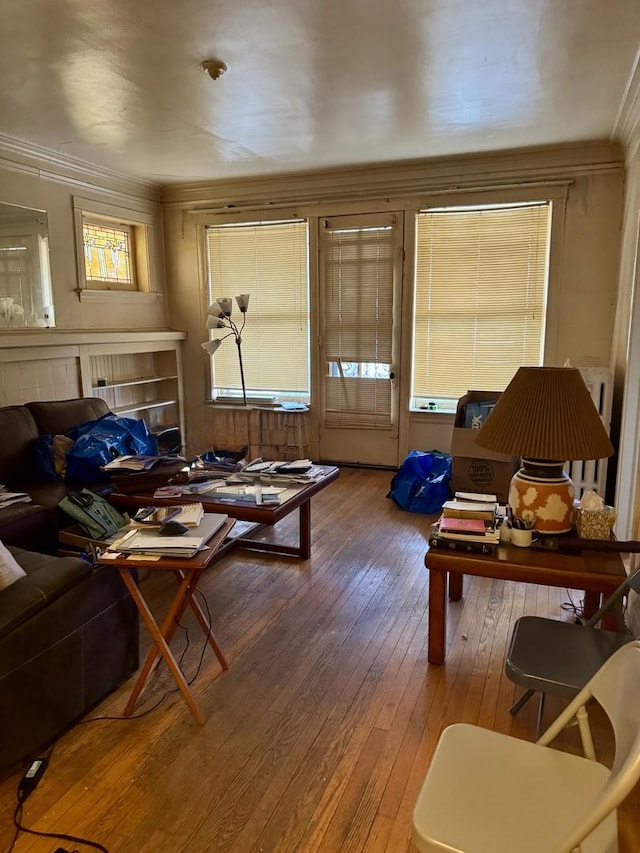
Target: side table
[187, 572]
[596, 572]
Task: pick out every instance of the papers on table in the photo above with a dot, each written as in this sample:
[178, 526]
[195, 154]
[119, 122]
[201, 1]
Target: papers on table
[257, 494]
[189, 514]
[8, 498]
[258, 466]
[274, 482]
[302, 471]
[132, 463]
[149, 541]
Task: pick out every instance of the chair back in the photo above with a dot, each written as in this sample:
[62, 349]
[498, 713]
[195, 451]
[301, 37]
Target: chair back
[616, 688]
[630, 582]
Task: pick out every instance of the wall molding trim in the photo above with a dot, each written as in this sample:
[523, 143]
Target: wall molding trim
[69, 337]
[463, 172]
[18, 155]
[627, 124]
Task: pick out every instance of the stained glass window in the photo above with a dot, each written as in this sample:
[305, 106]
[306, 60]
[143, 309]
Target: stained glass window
[107, 254]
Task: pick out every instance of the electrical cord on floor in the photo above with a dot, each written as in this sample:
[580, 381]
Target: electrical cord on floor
[26, 787]
[172, 690]
[572, 607]
[35, 772]
[206, 637]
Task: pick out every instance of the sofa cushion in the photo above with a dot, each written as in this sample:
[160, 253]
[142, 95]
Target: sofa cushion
[19, 432]
[55, 417]
[46, 578]
[26, 525]
[10, 571]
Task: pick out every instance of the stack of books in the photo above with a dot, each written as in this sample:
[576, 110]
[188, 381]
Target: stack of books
[468, 523]
[165, 470]
[149, 542]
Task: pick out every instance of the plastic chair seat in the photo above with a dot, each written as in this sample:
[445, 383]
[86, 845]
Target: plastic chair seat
[558, 657]
[486, 792]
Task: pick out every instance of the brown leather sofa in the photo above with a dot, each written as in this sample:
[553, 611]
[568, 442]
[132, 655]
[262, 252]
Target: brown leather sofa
[35, 525]
[68, 630]
[68, 637]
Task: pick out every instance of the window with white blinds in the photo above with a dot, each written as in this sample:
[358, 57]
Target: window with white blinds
[480, 297]
[269, 261]
[358, 264]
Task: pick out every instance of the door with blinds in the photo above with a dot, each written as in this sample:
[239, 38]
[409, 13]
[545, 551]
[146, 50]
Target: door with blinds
[361, 276]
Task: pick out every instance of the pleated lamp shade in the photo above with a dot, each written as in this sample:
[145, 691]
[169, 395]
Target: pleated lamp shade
[546, 413]
[546, 416]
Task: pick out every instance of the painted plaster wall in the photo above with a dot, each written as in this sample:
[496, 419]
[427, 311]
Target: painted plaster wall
[583, 290]
[30, 184]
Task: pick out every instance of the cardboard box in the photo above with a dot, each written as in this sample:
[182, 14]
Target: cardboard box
[475, 469]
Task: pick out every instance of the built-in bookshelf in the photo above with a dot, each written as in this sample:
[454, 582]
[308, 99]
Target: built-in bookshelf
[138, 374]
[141, 380]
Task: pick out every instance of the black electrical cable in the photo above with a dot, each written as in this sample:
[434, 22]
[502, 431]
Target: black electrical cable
[61, 836]
[23, 793]
[181, 658]
[27, 784]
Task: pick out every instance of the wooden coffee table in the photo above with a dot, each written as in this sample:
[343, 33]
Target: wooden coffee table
[260, 516]
[597, 572]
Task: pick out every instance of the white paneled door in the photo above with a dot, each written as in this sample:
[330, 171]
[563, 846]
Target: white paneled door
[361, 279]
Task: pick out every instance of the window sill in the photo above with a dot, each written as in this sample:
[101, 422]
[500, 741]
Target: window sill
[419, 411]
[122, 296]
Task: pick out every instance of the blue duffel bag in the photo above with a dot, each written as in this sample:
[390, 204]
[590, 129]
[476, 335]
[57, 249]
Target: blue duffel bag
[422, 481]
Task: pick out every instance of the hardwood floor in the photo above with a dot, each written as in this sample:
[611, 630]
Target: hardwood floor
[319, 735]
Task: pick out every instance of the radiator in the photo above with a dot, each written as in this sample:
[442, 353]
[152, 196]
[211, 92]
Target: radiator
[591, 475]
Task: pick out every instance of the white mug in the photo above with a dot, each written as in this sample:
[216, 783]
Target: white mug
[521, 538]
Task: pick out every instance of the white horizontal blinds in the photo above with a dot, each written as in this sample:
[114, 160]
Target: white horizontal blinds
[269, 261]
[358, 273]
[480, 297]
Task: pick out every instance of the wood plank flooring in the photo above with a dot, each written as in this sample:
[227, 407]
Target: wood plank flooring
[319, 735]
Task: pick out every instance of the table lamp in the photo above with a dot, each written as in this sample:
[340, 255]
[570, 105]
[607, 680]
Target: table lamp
[547, 417]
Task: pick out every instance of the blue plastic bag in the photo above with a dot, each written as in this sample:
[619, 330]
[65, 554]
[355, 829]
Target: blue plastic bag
[422, 481]
[96, 443]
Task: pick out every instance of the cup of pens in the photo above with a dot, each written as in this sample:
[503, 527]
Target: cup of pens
[522, 529]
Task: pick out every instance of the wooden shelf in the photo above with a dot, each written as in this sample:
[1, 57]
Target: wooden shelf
[125, 383]
[142, 380]
[138, 407]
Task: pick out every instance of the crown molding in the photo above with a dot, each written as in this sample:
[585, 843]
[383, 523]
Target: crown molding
[627, 124]
[21, 156]
[492, 169]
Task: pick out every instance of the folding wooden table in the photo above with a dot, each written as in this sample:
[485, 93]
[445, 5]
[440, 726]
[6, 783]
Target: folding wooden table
[187, 572]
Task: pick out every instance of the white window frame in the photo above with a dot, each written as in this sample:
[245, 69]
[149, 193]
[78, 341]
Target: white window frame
[230, 393]
[140, 224]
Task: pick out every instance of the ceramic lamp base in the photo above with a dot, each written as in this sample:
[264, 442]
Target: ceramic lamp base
[544, 488]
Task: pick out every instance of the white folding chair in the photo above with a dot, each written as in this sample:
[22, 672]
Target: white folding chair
[487, 792]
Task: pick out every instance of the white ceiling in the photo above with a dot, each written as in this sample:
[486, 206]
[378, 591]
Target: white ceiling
[310, 83]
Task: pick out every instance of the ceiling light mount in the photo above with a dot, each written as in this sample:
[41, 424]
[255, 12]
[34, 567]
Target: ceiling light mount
[215, 68]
